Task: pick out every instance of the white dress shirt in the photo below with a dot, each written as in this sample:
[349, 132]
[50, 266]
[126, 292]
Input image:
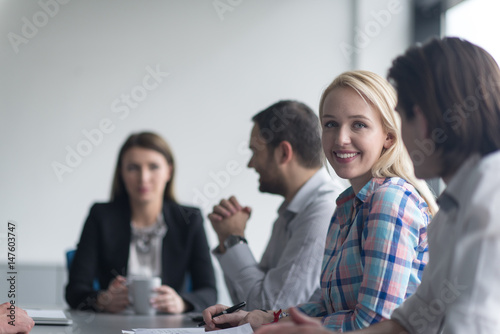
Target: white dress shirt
[289, 271]
[460, 290]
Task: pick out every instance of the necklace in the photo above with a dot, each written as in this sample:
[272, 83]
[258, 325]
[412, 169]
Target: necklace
[143, 237]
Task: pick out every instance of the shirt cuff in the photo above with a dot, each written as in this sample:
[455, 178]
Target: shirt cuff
[235, 259]
[313, 309]
[415, 317]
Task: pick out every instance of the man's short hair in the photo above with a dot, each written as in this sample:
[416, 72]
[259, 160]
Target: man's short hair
[296, 123]
[456, 84]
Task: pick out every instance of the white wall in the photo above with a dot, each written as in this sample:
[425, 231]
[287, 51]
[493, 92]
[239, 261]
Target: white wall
[64, 78]
[383, 30]
[484, 31]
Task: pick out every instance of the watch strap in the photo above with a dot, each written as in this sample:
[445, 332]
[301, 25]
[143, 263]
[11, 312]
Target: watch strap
[234, 240]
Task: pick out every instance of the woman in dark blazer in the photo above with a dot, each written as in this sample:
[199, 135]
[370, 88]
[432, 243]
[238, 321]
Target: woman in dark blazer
[142, 232]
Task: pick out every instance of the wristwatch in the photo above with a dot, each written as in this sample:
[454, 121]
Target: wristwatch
[234, 240]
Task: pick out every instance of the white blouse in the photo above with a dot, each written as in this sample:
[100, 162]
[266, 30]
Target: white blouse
[145, 249]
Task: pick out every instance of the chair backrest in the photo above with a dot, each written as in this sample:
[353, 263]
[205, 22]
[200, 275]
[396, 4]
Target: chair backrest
[188, 283]
[70, 255]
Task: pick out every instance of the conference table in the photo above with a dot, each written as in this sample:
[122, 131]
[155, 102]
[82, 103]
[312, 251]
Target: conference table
[85, 322]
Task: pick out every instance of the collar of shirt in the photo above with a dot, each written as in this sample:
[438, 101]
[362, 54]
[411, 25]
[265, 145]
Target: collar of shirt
[345, 209]
[305, 195]
[454, 192]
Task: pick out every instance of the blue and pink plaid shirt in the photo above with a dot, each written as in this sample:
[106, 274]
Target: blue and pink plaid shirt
[375, 253]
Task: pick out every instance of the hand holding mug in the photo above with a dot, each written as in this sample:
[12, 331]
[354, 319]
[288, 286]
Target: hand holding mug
[115, 298]
[168, 300]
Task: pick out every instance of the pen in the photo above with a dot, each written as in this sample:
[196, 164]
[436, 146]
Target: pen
[226, 311]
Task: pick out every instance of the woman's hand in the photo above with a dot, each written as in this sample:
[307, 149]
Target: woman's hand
[257, 318]
[302, 324]
[168, 300]
[115, 298]
[222, 321]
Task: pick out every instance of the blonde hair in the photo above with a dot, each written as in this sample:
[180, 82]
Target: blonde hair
[394, 161]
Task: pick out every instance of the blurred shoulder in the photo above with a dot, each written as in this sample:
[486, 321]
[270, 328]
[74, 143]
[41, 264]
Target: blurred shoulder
[184, 214]
[105, 207]
[327, 187]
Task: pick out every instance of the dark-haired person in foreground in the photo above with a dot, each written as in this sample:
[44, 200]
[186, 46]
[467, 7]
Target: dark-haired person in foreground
[286, 146]
[449, 100]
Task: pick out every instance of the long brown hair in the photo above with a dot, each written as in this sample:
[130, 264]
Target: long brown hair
[151, 141]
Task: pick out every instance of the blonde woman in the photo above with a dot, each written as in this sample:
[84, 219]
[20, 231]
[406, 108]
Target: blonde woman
[376, 247]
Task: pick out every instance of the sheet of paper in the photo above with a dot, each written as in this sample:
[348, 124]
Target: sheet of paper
[49, 317]
[52, 314]
[243, 329]
[169, 330]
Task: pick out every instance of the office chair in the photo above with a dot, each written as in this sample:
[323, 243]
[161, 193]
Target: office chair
[70, 255]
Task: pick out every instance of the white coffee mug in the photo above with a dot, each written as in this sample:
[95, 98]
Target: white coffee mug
[142, 290]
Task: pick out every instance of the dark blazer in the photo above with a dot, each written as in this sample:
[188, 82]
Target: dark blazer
[104, 246]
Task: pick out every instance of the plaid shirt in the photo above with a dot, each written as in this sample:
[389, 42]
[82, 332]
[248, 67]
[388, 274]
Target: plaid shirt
[375, 253]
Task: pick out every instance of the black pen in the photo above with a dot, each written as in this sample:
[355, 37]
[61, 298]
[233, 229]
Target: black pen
[226, 311]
